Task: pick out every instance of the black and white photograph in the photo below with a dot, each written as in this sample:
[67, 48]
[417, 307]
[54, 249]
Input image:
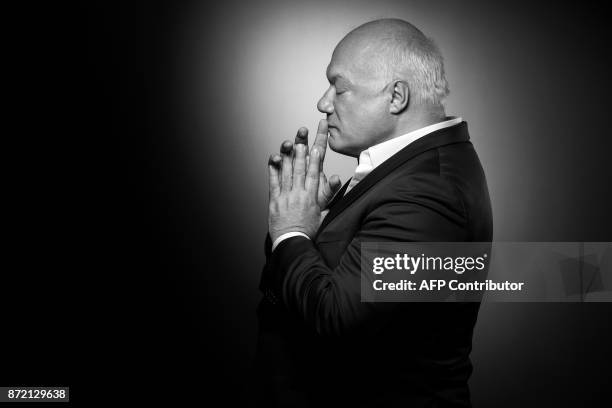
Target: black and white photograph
[325, 203]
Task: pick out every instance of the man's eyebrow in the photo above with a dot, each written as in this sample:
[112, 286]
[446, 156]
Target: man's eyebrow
[334, 77]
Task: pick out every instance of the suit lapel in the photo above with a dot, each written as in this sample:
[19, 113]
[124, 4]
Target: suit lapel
[339, 194]
[453, 134]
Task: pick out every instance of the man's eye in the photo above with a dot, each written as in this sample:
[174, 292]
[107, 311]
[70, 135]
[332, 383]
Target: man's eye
[340, 91]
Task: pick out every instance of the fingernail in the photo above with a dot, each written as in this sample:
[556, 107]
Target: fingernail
[286, 148]
[315, 152]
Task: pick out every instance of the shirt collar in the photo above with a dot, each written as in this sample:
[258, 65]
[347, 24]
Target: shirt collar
[377, 154]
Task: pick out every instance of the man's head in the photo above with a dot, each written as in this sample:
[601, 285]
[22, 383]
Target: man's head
[385, 76]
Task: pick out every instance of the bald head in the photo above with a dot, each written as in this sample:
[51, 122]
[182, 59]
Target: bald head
[384, 50]
[386, 79]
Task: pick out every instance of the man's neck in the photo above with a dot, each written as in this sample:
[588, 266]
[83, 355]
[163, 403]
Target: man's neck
[412, 121]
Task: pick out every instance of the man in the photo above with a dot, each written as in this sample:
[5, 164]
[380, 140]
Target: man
[418, 179]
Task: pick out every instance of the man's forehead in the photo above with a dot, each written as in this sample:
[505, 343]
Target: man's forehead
[338, 68]
[352, 60]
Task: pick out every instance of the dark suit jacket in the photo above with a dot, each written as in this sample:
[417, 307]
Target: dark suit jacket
[319, 345]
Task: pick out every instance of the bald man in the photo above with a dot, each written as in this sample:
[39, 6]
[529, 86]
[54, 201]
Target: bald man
[418, 179]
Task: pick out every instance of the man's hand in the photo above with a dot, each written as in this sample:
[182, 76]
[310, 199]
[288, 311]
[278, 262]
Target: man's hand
[299, 190]
[327, 188]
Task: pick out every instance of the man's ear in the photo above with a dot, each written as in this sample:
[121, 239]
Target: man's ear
[400, 97]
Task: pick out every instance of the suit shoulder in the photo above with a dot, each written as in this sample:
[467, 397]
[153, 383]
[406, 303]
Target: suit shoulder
[423, 181]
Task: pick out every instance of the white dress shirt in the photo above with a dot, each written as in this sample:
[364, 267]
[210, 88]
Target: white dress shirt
[372, 157]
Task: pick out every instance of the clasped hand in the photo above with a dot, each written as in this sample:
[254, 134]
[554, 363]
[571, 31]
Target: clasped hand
[299, 190]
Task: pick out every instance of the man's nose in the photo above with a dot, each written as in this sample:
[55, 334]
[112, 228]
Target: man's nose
[325, 104]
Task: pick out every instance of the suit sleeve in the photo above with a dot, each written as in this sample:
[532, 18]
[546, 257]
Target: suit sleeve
[267, 274]
[329, 300]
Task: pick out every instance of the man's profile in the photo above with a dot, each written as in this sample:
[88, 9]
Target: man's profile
[418, 179]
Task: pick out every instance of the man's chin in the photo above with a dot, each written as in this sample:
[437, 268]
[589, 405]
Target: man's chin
[332, 141]
[337, 146]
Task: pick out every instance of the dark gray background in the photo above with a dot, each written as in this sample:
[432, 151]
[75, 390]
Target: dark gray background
[195, 96]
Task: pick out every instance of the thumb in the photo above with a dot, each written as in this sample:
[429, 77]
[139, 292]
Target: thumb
[335, 183]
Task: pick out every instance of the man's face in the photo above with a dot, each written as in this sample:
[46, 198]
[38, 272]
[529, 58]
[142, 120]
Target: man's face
[357, 108]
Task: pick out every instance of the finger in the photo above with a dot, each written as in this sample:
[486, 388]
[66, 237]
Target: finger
[287, 165]
[273, 170]
[325, 192]
[275, 160]
[312, 177]
[335, 184]
[299, 166]
[323, 180]
[321, 140]
[302, 136]
[286, 147]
